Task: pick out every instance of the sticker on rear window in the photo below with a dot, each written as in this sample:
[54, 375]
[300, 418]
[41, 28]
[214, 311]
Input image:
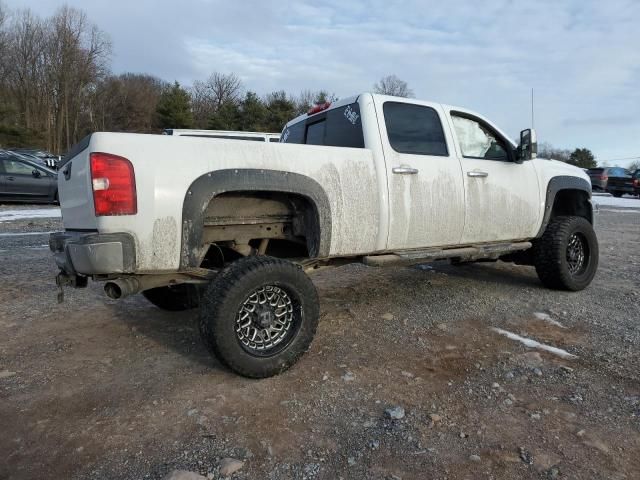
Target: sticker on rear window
[351, 115]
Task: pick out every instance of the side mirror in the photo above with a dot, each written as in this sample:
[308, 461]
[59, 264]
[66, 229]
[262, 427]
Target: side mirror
[36, 173]
[528, 148]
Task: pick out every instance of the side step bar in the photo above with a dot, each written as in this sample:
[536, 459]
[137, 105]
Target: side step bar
[464, 253]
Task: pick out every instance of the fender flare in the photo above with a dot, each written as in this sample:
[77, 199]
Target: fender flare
[556, 184]
[212, 184]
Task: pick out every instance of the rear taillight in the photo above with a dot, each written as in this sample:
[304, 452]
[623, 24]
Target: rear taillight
[636, 182]
[114, 185]
[604, 177]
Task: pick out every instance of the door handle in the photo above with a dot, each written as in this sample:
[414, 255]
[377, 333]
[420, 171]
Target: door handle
[475, 173]
[11, 179]
[405, 170]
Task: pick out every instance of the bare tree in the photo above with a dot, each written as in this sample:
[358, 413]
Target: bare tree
[77, 57]
[208, 96]
[309, 98]
[546, 150]
[126, 103]
[26, 56]
[392, 85]
[3, 42]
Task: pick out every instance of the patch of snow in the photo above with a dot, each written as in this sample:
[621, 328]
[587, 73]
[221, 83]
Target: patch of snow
[528, 342]
[545, 317]
[23, 234]
[12, 215]
[627, 202]
[621, 210]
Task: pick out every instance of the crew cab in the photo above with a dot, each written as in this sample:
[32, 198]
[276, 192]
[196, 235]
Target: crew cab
[237, 227]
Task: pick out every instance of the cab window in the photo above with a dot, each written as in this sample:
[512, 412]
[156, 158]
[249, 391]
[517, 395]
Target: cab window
[414, 129]
[477, 140]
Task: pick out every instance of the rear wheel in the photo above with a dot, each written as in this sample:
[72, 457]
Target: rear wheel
[566, 257]
[617, 194]
[259, 315]
[174, 298]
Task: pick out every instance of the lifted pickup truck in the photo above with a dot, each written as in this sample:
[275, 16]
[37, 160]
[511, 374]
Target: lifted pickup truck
[235, 226]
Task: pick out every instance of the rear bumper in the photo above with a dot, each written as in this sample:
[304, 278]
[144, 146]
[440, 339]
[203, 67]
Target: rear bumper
[91, 253]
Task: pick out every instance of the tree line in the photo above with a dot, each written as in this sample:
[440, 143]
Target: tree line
[56, 86]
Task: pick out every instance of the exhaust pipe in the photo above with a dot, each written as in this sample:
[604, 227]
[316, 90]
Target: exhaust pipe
[122, 287]
[131, 284]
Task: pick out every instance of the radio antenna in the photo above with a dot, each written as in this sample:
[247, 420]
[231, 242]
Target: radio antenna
[532, 124]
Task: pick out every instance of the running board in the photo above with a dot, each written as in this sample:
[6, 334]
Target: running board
[471, 253]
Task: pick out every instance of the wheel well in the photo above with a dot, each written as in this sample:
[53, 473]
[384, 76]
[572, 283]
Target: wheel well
[572, 202]
[241, 223]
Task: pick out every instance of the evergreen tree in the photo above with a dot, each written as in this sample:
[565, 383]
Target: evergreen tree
[281, 109]
[253, 112]
[174, 108]
[583, 158]
[227, 117]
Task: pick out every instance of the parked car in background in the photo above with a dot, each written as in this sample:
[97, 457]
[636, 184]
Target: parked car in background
[614, 180]
[49, 160]
[636, 182]
[226, 134]
[26, 180]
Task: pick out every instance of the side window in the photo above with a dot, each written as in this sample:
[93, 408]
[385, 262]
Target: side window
[14, 167]
[477, 141]
[315, 133]
[344, 127]
[414, 129]
[293, 133]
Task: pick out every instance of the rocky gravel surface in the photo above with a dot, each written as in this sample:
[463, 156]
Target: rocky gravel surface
[407, 377]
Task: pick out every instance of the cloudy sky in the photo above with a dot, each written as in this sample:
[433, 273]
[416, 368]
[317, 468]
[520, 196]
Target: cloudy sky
[582, 57]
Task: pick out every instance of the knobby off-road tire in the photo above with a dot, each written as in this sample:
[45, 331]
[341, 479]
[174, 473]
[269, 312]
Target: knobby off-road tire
[175, 298]
[259, 315]
[566, 256]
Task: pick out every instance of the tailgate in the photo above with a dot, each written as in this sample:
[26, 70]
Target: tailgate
[74, 189]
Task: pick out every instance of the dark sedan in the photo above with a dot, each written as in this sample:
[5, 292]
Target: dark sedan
[23, 180]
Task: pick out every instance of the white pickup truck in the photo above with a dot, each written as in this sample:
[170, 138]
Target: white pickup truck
[235, 226]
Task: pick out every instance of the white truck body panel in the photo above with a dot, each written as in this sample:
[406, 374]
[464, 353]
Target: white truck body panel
[373, 208]
[349, 177]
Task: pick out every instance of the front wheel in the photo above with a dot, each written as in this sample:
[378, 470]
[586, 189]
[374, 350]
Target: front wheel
[566, 256]
[617, 194]
[259, 315]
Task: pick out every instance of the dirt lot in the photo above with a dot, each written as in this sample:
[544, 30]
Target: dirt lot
[95, 388]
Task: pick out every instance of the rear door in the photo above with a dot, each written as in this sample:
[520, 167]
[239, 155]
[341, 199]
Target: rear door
[502, 197]
[424, 178]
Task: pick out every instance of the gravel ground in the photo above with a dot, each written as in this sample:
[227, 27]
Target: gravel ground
[100, 389]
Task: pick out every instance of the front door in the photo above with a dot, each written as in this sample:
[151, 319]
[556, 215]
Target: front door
[424, 178]
[20, 181]
[502, 197]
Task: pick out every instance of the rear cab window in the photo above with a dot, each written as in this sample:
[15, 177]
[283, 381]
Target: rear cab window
[414, 129]
[336, 127]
